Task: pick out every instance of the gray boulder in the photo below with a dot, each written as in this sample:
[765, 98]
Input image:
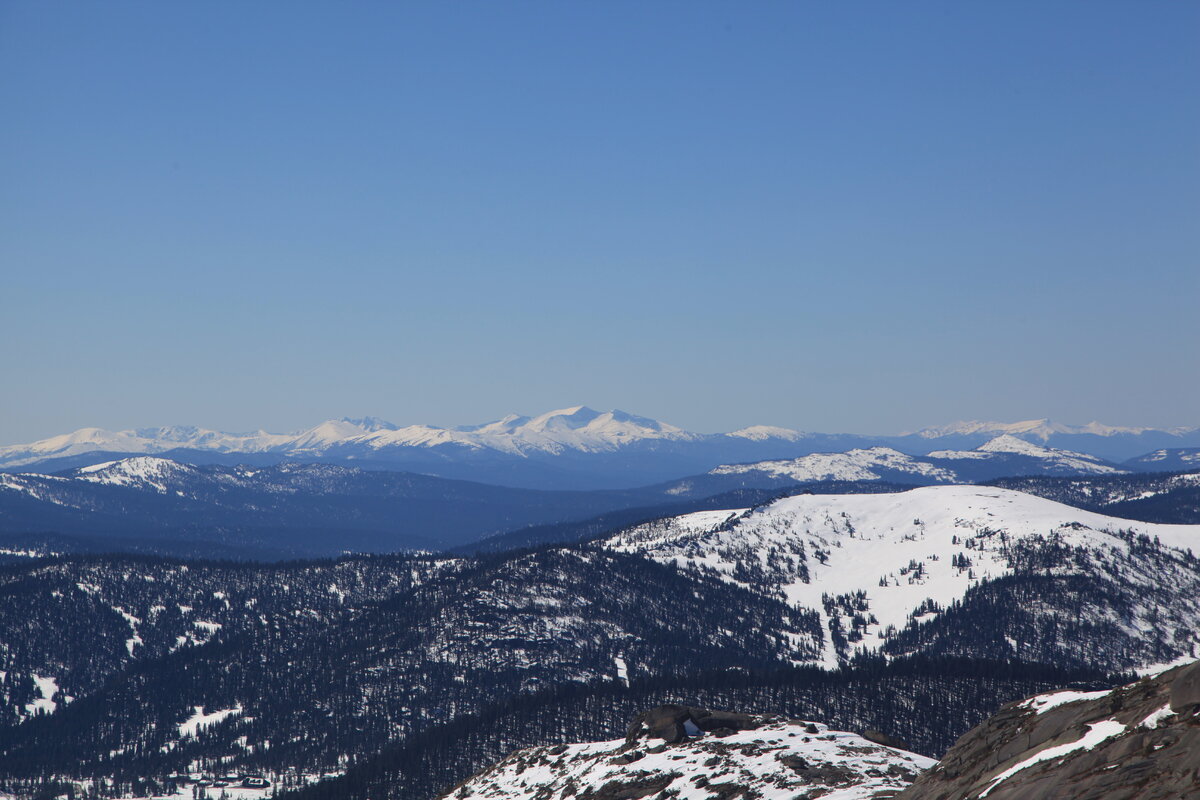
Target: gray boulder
[671, 722]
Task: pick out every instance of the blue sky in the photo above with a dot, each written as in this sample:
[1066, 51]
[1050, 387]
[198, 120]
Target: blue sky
[830, 216]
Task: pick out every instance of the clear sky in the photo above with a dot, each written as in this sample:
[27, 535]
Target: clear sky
[830, 216]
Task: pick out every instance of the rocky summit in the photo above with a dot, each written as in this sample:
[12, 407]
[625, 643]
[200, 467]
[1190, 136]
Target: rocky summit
[1137, 742]
[696, 754]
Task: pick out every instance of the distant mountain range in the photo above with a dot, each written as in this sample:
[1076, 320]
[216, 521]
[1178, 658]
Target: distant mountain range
[567, 448]
[1004, 456]
[152, 504]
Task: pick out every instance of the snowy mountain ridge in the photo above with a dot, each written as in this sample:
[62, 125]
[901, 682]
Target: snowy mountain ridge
[1039, 428]
[1001, 456]
[873, 564]
[577, 429]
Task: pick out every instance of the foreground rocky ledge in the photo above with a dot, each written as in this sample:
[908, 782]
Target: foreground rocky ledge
[695, 754]
[1137, 742]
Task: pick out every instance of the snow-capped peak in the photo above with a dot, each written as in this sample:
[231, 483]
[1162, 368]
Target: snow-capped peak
[332, 432]
[571, 418]
[1007, 443]
[369, 424]
[146, 471]
[760, 433]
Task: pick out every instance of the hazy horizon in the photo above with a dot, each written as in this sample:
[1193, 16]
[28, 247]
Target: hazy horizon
[465, 423]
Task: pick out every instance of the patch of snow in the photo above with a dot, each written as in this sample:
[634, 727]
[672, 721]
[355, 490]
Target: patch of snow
[192, 726]
[1097, 733]
[48, 687]
[1044, 702]
[1158, 716]
[1154, 670]
[622, 669]
[755, 759]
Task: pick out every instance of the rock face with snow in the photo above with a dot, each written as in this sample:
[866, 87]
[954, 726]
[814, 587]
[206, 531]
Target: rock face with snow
[920, 570]
[694, 754]
[1138, 742]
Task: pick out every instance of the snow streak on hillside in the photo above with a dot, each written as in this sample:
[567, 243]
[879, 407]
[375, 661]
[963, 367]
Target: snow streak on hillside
[875, 562]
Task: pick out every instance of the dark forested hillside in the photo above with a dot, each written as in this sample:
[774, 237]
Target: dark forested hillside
[121, 671]
[1168, 497]
[324, 661]
[285, 510]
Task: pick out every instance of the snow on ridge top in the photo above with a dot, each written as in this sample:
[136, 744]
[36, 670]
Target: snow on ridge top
[900, 549]
[1007, 443]
[576, 428]
[330, 432]
[759, 433]
[853, 465]
[143, 470]
[1040, 428]
[103, 465]
[369, 424]
[1066, 458]
[776, 761]
[1035, 427]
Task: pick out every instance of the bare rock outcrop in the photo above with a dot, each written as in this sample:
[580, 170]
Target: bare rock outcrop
[1136, 742]
[676, 751]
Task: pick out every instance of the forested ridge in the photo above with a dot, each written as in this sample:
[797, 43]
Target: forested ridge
[389, 668]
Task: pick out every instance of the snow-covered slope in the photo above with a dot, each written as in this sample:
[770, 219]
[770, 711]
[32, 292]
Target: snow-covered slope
[999, 457]
[778, 761]
[871, 564]
[876, 463]
[147, 472]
